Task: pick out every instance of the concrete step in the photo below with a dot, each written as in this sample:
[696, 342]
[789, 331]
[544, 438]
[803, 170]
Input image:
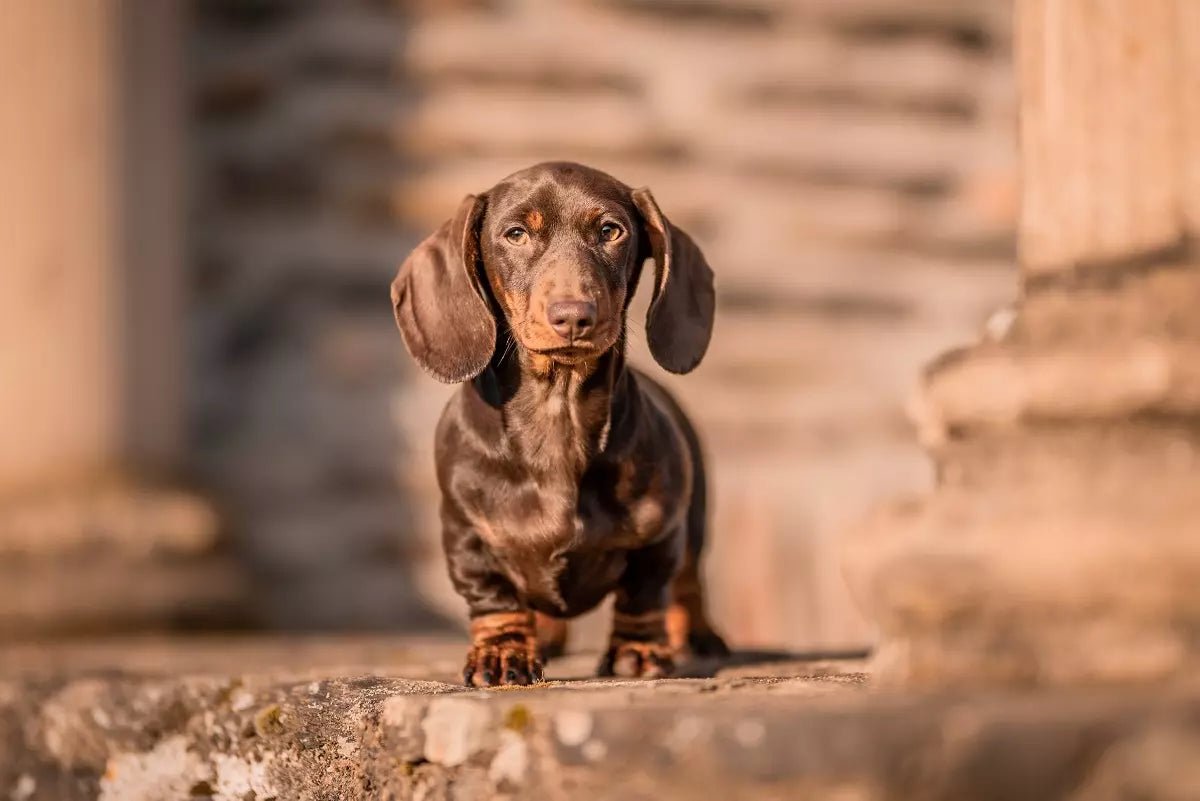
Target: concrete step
[72, 728]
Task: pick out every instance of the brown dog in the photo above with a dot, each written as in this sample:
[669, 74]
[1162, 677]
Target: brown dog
[565, 474]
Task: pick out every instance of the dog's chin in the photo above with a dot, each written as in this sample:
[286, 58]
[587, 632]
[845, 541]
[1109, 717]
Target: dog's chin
[573, 356]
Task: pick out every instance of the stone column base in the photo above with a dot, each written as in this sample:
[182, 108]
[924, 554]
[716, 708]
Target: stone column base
[1062, 544]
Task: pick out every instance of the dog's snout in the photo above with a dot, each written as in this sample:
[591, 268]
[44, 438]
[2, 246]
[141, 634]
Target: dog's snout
[571, 319]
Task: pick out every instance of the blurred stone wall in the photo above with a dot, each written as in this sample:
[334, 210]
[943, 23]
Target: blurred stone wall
[847, 166]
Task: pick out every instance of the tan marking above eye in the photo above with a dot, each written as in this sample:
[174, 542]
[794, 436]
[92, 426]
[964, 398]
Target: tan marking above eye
[535, 219]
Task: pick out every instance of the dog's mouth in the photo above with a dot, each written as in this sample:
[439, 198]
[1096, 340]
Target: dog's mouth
[588, 347]
[573, 353]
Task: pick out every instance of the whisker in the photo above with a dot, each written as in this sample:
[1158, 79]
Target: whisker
[511, 343]
[632, 329]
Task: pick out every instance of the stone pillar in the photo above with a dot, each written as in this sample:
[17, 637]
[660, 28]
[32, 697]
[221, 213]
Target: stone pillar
[1062, 543]
[92, 418]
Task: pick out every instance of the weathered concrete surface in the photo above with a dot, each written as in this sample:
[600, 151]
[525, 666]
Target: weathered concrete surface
[73, 727]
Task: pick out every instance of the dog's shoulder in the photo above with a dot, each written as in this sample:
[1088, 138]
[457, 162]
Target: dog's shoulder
[662, 401]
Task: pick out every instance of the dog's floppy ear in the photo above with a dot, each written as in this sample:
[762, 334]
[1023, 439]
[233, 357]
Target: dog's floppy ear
[442, 312]
[680, 320]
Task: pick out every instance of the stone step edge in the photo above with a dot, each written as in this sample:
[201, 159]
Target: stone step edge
[364, 737]
[994, 385]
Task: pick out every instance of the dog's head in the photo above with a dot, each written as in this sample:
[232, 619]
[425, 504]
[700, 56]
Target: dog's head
[557, 249]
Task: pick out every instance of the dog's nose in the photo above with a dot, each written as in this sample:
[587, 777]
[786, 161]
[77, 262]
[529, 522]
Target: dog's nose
[571, 319]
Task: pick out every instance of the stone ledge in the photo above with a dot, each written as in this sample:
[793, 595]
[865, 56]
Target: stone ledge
[111, 553]
[1045, 555]
[113, 594]
[115, 518]
[819, 734]
[1084, 354]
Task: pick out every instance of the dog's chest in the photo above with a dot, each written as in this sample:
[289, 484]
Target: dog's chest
[563, 543]
[610, 506]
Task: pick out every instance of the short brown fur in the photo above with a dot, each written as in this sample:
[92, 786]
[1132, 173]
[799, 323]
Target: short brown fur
[566, 475]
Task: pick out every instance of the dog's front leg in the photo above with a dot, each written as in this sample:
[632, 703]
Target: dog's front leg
[638, 645]
[504, 646]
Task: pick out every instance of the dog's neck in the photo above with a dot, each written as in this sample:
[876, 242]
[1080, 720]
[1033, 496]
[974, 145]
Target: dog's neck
[557, 417]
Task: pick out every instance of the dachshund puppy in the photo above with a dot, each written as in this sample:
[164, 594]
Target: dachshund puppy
[565, 474]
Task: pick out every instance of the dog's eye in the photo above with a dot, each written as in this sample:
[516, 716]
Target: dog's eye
[611, 232]
[516, 235]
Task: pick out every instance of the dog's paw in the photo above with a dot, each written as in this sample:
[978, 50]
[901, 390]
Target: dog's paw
[507, 661]
[634, 659]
